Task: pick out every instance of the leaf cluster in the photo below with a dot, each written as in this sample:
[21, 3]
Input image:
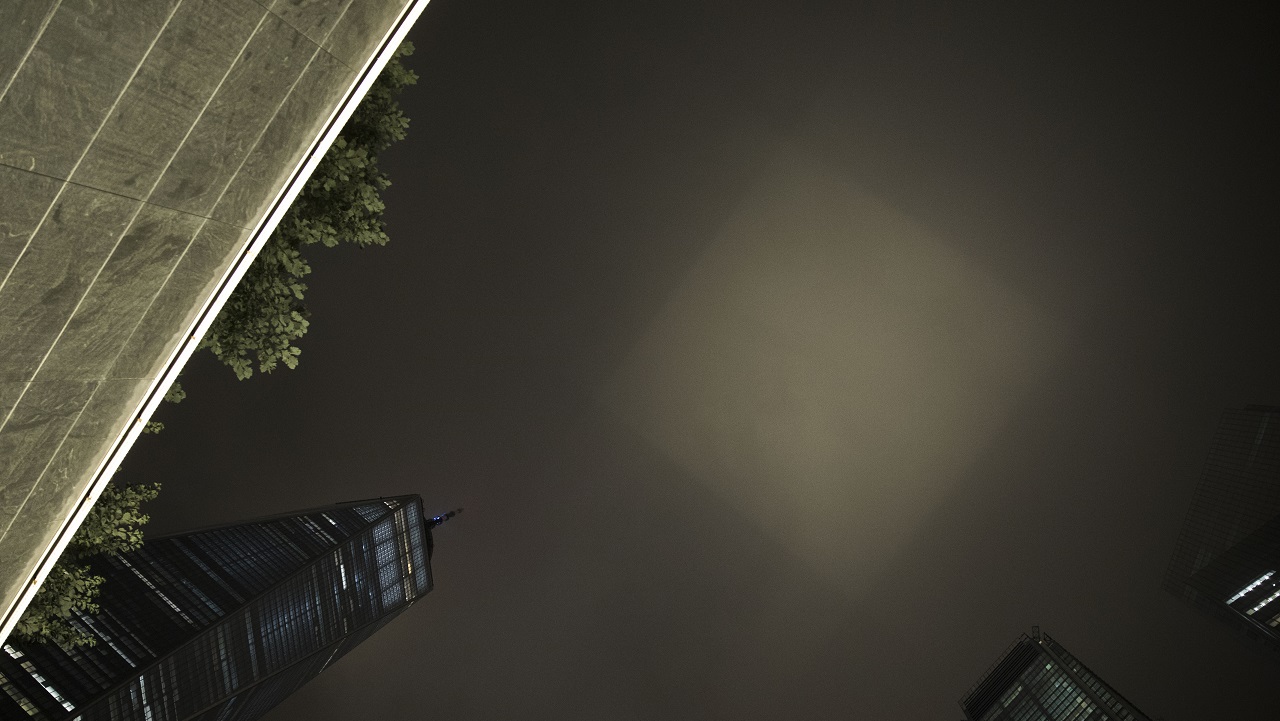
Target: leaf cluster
[340, 203]
[113, 526]
[175, 394]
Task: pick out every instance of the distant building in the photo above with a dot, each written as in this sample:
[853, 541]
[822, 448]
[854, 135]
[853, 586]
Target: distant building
[224, 623]
[1227, 560]
[1038, 680]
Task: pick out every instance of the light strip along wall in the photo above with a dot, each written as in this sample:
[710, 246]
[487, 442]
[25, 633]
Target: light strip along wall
[365, 78]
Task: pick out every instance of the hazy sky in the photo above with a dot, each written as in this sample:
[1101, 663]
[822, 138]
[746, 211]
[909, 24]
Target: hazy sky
[790, 358]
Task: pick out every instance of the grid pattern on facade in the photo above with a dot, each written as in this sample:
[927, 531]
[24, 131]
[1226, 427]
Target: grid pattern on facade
[1038, 680]
[162, 595]
[1227, 558]
[266, 695]
[1108, 697]
[252, 702]
[1015, 659]
[229, 619]
[1044, 692]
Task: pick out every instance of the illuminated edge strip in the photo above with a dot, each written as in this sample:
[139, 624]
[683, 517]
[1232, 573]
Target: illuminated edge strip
[1245, 591]
[178, 358]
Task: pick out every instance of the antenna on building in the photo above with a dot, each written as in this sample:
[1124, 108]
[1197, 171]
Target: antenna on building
[434, 521]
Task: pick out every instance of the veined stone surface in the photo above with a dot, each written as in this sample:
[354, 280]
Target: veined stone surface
[142, 142]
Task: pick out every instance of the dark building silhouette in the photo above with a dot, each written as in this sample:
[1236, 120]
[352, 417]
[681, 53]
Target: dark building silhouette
[1227, 560]
[1038, 680]
[222, 624]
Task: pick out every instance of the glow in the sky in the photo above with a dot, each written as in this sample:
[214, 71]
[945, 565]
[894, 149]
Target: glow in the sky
[832, 368]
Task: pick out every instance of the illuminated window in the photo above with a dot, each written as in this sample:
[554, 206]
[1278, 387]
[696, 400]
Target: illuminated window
[18, 696]
[110, 642]
[1263, 602]
[157, 591]
[1245, 591]
[31, 670]
[252, 610]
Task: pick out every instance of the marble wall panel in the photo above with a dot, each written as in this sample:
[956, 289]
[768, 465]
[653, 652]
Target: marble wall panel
[175, 307]
[46, 285]
[16, 567]
[66, 476]
[363, 26]
[24, 199]
[137, 269]
[313, 18]
[38, 424]
[108, 413]
[237, 115]
[20, 24]
[10, 392]
[300, 119]
[75, 72]
[115, 92]
[179, 75]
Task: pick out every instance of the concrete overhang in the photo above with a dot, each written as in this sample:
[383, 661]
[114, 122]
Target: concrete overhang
[147, 150]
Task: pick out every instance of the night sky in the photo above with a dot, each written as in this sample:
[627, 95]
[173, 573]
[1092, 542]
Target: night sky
[790, 359]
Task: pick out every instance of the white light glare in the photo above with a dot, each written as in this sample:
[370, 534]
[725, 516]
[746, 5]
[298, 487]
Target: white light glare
[1244, 591]
[1264, 602]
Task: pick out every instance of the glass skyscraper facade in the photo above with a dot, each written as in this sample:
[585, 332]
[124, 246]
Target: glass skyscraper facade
[1038, 680]
[224, 623]
[1227, 559]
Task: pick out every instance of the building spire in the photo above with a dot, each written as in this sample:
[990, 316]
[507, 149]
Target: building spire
[434, 521]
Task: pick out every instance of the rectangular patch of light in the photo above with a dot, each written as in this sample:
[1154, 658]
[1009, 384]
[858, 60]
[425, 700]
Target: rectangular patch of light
[1245, 591]
[1263, 602]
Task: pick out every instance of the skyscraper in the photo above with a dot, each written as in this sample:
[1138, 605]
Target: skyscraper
[1038, 680]
[224, 623]
[1227, 559]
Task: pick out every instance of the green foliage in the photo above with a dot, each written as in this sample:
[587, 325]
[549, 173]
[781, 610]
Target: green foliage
[113, 526]
[340, 203]
[69, 587]
[175, 394]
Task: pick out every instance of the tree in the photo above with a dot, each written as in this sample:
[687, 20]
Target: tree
[340, 203]
[113, 526]
[175, 394]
